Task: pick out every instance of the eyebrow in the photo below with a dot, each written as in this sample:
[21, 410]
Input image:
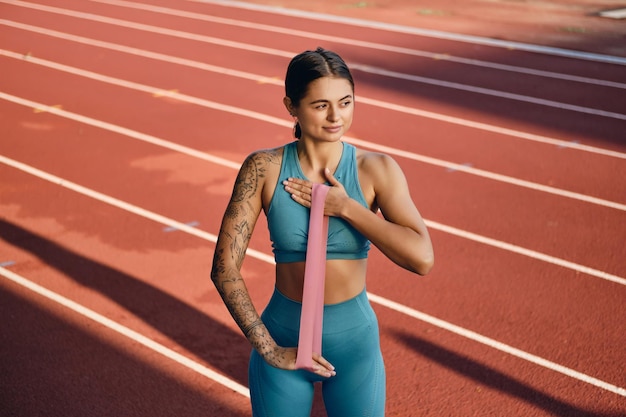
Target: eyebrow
[328, 101]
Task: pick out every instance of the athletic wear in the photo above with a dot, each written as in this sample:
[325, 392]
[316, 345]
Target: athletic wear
[288, 221]
[350, 341]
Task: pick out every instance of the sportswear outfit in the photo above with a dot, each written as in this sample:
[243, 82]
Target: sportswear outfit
[350, 337]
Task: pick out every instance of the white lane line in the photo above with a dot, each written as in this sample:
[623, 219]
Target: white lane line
[266, 258]
[362, 44]
[279, 82]
[497, 345]
[487, 174]
[272, 51]
[524, 251]
[123, 205]
[280, 122]
[437, 34]
[614, 14]
[204, 235]
[489, 128]
[126, 332]
[490, 92]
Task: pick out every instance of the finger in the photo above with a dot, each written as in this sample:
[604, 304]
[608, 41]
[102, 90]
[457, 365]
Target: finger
[302, 187]
[301, 197]
[299, 184]
[326, 368]
[330, 177]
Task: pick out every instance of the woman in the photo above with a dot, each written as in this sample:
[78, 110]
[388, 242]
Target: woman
[320, 96]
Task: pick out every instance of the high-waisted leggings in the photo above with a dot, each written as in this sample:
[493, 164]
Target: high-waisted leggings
[350, 342]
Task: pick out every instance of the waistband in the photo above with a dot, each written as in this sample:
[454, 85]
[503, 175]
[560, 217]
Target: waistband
[337, 317]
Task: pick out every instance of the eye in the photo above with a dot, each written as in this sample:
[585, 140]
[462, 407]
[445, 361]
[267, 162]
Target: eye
[346, 103]
[320, 106]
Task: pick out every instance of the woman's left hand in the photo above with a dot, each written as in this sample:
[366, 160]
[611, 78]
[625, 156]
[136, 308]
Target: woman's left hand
[301, 191]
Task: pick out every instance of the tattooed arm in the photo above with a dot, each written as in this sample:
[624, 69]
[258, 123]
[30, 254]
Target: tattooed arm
[237, 225]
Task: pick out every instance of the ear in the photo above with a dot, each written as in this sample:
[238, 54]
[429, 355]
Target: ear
[289, 106]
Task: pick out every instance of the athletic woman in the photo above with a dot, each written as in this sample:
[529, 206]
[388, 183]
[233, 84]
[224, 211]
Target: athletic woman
[320, 97]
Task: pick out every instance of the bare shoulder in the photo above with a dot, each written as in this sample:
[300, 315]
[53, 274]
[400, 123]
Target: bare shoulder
[376, 171]
[377, 168]
[374, 160]
[254, 171]
[271, 156]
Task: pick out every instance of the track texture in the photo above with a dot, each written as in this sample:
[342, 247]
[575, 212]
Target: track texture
[122, 126]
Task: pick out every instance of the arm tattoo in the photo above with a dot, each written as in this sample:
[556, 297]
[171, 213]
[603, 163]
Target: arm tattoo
[237, 228]
[252, 170]
[247, 182]
[250, 327]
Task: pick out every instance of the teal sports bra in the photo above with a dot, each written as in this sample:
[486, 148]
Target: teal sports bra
[288, 221]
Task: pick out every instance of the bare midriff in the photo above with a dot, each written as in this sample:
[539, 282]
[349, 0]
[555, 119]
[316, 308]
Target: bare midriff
[345, 279]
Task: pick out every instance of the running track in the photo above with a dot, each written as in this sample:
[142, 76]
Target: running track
[122, 126]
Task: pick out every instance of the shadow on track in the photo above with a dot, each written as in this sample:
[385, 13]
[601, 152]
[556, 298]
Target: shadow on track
[218, 345]
[52, 367]
[493, 378]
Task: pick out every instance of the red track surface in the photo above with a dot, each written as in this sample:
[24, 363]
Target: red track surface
[525, 312]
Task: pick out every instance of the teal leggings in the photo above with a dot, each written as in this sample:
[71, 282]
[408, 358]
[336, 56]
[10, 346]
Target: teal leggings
[350, 342]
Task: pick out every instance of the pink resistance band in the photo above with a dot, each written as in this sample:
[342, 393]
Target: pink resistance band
[310, 339]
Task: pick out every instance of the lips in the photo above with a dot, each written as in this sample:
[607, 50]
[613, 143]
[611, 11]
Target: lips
[332, 129]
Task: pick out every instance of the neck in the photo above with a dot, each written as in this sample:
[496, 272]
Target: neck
[315, 157]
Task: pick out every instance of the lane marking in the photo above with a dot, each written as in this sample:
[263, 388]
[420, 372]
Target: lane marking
[269, 259]
[358, 43]
[174, 229]
[221, 161]
[465, 164]
[126, 332]
[437, 34]
[620, 391]
[375, 298]
[123, 205]
[487, 174]
[280, 122]
[614, 14]
[489, 128]
[434, 225]
[165, 93]
[524, 251]
[497, 345]
[272, 51]
[43, 109]
[490, 92]
[280, 83]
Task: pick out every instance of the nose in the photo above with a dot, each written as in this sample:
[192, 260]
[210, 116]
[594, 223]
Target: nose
[333, 114]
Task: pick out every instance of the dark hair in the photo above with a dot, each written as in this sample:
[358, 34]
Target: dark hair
[308, 66]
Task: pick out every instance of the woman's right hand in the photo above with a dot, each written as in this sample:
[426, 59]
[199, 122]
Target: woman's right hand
[285, 358]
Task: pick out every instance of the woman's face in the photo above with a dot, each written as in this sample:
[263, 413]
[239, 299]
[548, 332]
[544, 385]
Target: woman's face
[325, 113]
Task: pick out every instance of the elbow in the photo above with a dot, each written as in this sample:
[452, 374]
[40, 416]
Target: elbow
[423, 264]
[216, 272]
[425, 267]
[215, 279]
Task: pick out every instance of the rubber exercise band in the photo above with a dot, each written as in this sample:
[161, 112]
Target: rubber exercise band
[310, 337]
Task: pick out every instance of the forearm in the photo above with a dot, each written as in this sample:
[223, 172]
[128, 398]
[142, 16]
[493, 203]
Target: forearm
[408, 247]
[237, 299]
